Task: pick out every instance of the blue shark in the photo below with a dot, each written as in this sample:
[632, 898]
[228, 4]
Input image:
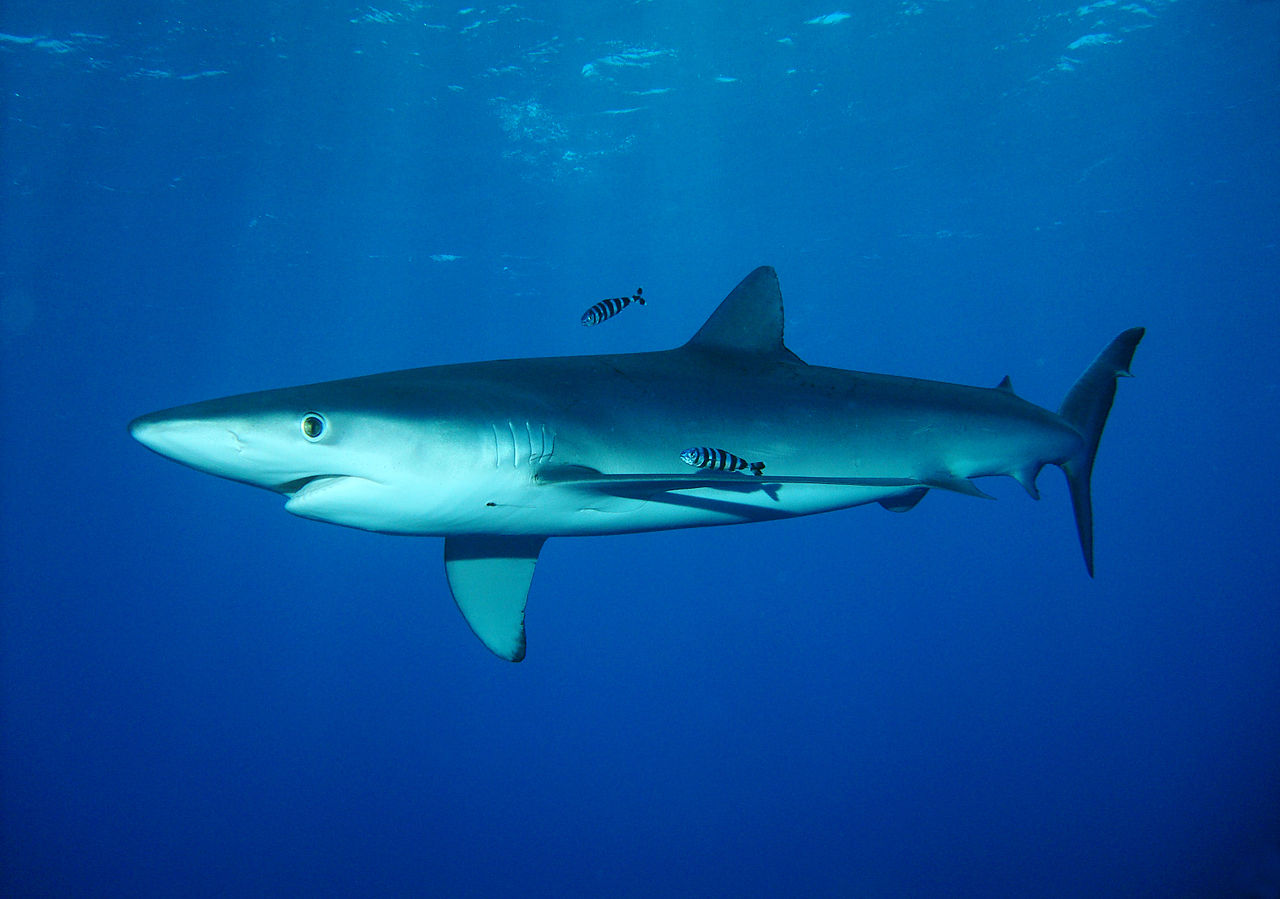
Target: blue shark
[495, 457]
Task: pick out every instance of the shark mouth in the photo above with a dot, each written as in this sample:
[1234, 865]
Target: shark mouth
[308, 485]
[337, 498]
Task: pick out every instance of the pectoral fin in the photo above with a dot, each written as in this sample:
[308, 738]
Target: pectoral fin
[489, 577]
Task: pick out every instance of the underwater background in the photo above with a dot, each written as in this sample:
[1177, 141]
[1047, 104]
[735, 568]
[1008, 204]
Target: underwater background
[205, 696]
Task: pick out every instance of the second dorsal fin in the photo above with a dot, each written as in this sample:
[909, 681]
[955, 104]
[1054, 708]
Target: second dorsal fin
[748, 320]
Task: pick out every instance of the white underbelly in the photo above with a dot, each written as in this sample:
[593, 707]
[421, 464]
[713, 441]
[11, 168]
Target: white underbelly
[567, 511]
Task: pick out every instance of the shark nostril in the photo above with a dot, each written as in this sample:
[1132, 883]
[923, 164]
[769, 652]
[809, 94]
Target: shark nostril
[236, 443]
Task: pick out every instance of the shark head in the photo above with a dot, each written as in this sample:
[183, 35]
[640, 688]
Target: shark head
[335, 455]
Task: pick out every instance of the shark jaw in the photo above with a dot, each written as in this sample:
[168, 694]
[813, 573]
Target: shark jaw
[324, 496]
[498, 456]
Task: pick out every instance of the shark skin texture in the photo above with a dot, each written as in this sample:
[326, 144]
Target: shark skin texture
[498, 456]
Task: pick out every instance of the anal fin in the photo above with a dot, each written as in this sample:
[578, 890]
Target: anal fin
[489, 577]
[1027, 478]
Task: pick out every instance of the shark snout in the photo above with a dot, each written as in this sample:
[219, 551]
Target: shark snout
[172, 437]
[146, 429]
[208, 445]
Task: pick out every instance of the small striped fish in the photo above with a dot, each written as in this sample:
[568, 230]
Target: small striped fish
[718, 459]
[607, 309]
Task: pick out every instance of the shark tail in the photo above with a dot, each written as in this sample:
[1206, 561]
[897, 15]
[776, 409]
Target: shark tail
[1086, 408]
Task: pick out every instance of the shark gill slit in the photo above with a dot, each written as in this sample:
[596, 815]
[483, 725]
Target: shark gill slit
[545, 446]
[515, 445]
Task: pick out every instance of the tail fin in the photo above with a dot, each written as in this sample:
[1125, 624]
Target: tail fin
[1086, 408]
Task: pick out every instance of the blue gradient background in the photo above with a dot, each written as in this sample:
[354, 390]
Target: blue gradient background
[205, 696]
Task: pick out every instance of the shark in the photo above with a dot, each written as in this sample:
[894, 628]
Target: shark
[498, 456]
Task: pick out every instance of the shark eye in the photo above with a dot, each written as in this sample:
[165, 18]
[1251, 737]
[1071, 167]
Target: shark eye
[313, 426]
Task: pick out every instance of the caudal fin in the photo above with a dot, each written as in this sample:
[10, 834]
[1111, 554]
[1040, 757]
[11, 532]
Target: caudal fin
[1086, 408]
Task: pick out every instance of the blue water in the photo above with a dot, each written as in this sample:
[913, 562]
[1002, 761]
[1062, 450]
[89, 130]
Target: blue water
[205, 696]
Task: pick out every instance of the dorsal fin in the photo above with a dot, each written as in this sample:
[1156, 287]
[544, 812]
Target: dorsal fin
[749, 320]
[1006, 384]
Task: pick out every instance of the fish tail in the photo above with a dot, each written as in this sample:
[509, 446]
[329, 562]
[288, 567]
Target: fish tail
[1086, 408]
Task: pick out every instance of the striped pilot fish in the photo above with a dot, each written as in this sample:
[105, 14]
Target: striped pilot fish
[718, 459]
[607, 309]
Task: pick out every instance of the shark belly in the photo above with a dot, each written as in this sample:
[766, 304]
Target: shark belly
[570, 512]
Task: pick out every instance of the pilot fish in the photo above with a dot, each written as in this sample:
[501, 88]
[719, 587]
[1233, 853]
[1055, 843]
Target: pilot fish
[607, 309]
[718, 459]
